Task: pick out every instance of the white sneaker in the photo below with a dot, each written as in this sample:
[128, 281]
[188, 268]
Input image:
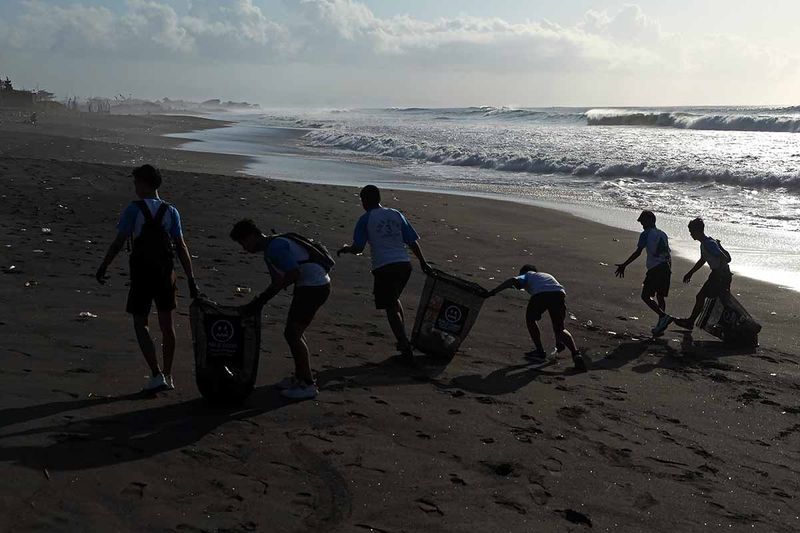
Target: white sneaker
[287, 383]
[301, 391]
[168, 380]
[155, 383]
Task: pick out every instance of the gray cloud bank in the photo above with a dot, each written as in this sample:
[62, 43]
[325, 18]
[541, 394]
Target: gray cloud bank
[339, 51]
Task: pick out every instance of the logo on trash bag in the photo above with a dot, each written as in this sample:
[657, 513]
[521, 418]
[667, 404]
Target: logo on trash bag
[222, 330]
[452, 317]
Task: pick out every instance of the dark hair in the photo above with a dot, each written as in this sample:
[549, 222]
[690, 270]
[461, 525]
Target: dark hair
[148, 174]
[370, 195]
[697, 224]
[647, 216]
[244, 228]
[527, 268]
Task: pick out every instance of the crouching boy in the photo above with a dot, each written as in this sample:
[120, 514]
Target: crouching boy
[292, 260]
[547, 294]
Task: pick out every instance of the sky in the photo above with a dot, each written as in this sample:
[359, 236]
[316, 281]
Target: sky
[347, 53]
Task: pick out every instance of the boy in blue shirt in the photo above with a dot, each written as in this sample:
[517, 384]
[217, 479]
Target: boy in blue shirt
[388, 233]
[719, 280]
[547, 294]
[659, 269]
[290, 263]
[155, 227]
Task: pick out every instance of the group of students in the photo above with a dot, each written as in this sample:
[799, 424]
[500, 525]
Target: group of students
[154, 228]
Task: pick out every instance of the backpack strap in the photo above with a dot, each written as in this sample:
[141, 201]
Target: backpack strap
[162, 210]
[148, 216]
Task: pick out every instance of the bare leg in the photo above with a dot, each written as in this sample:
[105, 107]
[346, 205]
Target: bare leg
[396, 318]
[662, 302]
[146, 343]
[657, 308]
[536, 335]
[562, 335]
[168, 339]
[294, 334]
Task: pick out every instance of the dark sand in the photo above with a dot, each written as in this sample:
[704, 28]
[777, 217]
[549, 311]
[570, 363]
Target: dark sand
[679, 434]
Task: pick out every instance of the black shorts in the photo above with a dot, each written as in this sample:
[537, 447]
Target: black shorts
[390, 280]
[554, 302]
[306, 302]
[717, 284]
[656, 281]
[146, 288]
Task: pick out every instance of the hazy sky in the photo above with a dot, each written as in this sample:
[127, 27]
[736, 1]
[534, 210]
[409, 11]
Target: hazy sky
[409, 52]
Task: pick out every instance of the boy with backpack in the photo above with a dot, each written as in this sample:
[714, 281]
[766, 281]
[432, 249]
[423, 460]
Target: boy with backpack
[155, 227]
[547, 294]
[292, 260]
[659, 269]
[388, 233]
[719, 280]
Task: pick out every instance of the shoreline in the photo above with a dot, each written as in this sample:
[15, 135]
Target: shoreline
[268, 162]
[680, 433]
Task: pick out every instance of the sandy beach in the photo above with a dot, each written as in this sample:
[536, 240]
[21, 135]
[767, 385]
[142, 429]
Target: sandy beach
[676, 434]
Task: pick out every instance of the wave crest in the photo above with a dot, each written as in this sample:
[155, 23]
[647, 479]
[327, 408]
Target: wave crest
[691, 121]
[516, 162]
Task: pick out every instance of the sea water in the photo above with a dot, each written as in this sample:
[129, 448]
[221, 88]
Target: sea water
[737, 167]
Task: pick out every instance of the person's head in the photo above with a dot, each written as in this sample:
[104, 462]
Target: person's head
[146, 180]
[524, 269]
[247, 234]
[370, 197]
[647, 219]
[697, 229]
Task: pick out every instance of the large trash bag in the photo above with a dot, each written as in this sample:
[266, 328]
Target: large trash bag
[227, 343]
[447, 311]
[727, 319]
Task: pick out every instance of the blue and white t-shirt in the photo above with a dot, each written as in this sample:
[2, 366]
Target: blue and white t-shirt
[656, 243]
[539, 282]
[388, 232]
[283, 255]
[132, 219]
[710, 251]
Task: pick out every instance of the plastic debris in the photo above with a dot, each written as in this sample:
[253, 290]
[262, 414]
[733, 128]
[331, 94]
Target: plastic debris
[86, 315]
[243, 290]
[47, 231]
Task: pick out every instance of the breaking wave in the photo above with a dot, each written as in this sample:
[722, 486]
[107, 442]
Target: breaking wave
[691, 121]
[421, 151]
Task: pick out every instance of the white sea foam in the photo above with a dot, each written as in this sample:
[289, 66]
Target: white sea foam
[514, 161]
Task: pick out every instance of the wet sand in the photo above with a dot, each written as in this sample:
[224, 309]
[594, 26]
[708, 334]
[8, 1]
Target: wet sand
[677, 434]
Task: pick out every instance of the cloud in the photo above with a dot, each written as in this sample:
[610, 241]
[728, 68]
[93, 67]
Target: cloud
[147, 27]
[616, 51]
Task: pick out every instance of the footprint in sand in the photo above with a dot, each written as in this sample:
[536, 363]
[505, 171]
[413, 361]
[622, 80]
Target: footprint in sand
[538, 493]
[429, 507]
[552, 465]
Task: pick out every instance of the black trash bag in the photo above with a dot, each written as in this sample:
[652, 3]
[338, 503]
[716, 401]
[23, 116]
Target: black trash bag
[227, 344]
[448, 308]
[727, 319]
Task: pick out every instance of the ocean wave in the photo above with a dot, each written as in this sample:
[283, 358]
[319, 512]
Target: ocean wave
[387, 146]
[691, 121]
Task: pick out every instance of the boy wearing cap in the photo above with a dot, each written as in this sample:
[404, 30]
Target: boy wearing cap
[155, 227]
[655, 287]
[719, 280]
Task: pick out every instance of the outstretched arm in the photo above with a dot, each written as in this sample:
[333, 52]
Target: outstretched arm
[186, 262]
[507, 284]
[415, 247]
[620, 273]
[113, 250]
[697, 266]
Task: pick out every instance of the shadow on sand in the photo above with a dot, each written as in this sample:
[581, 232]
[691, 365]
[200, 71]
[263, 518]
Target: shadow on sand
[129, 436]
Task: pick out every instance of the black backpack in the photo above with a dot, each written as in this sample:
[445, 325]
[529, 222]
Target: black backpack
[317, 252]
[152, 249]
